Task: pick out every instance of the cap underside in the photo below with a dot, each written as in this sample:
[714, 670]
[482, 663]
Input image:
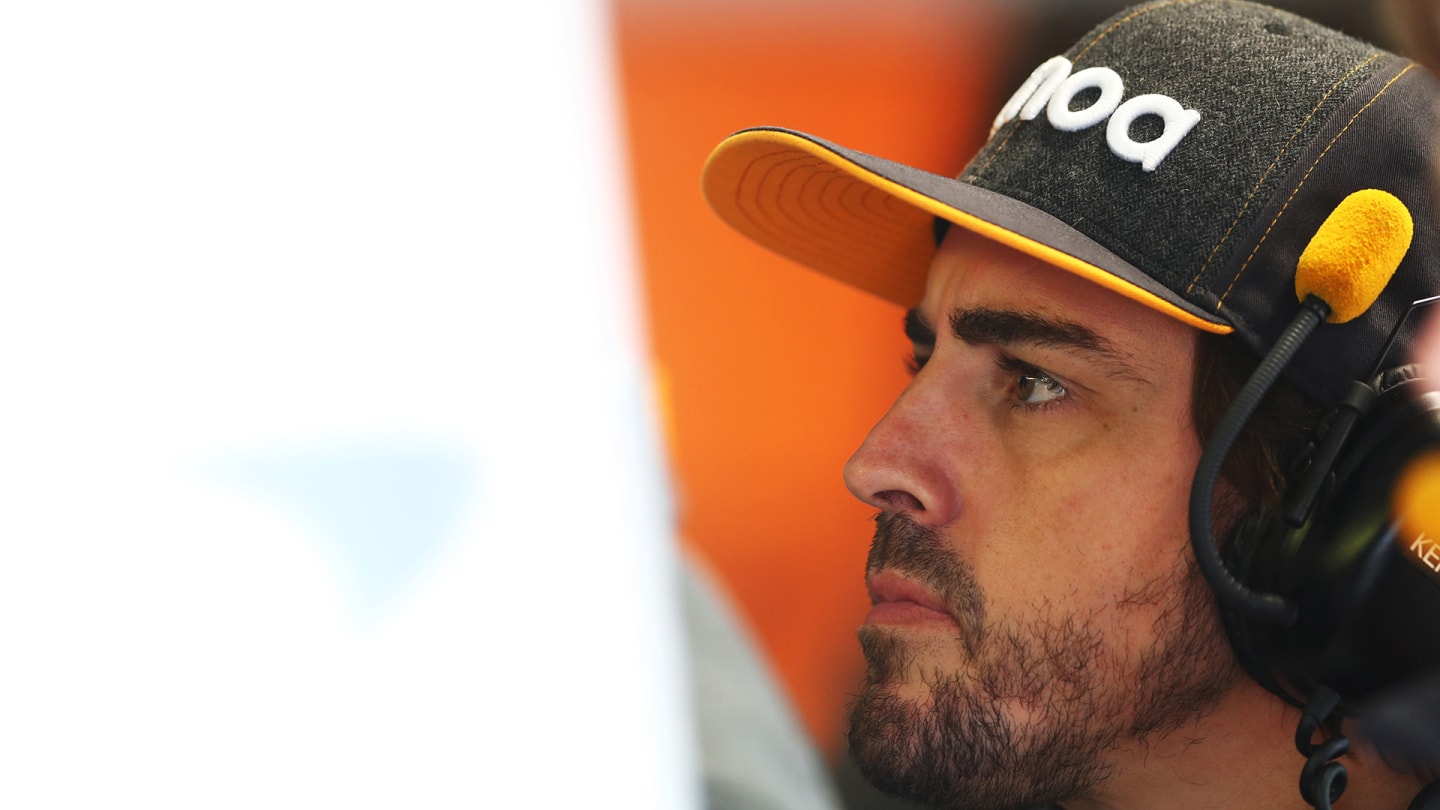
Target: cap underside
[867, 221]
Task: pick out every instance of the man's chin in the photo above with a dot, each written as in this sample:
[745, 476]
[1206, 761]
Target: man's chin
[897, 744]
[943, 739]
[882, 735]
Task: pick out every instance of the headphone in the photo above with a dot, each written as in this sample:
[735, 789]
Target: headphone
[1328, 605]
[1328, 602]
[1365, 603]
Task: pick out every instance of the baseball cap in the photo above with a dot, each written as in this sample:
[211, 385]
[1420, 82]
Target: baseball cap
[1183, 154]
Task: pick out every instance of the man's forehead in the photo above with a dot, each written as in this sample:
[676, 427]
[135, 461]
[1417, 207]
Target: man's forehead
[970, 272]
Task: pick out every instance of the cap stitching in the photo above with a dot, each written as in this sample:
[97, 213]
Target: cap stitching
[978, 173]
[1303, 180]
[792, 226]
[781, 168]
[1265, 174]
[1127, 18]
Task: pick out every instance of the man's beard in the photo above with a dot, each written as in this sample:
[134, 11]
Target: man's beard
[964, 749]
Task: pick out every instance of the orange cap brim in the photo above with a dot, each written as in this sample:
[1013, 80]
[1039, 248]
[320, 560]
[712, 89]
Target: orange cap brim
[869, 222]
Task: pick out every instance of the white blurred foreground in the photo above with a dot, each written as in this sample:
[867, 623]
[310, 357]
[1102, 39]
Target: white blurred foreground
[328, 476]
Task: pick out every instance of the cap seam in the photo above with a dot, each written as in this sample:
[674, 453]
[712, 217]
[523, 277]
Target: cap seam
[978, 173]
[1266, 174]
[804, 247]
[764, 222]
[788, 163]
[1305, 178]
[1132, 15]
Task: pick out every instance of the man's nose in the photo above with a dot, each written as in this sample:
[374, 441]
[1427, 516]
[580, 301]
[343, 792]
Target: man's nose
[906, 464]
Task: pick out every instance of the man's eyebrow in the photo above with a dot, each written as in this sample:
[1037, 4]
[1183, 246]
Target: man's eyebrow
[1002, 327]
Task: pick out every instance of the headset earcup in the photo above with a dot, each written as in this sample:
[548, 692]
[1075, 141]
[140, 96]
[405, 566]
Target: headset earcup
[1366, 611]
[1363, 609]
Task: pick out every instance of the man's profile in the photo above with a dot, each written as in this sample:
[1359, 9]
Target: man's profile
[1110, 268]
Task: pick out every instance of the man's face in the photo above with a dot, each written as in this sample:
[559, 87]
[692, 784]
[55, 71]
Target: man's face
[1037, 616]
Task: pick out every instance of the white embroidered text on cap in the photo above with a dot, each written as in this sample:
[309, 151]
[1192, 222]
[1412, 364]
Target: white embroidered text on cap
[1052, 87]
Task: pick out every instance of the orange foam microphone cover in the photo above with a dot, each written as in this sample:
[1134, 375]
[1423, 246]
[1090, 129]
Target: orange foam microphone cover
[1355, 252]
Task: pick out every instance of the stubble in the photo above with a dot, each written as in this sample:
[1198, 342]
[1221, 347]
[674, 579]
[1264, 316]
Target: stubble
[1044, 698]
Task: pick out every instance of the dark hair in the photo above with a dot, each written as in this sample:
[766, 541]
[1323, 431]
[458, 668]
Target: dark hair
[1275, 435]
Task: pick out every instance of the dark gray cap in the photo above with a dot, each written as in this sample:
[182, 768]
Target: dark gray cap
[1183, 153]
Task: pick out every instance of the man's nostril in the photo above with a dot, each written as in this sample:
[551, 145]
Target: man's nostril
[896, 500]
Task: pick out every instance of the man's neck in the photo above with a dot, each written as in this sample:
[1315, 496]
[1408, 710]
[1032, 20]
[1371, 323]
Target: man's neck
[1239, 756]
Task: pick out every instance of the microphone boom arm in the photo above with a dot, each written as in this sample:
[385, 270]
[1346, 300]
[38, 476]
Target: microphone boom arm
[1269, 608]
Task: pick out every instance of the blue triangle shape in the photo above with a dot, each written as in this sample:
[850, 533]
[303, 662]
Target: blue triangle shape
[384, 510]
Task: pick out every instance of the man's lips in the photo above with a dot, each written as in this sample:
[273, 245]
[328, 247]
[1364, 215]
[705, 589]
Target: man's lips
[897, 600]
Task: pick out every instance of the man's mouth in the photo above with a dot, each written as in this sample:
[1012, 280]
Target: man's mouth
[896, 600]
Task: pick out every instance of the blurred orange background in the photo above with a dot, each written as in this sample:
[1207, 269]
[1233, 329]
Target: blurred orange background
[773, 373]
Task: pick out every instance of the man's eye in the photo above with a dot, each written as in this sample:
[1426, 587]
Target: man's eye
[1037, 389]
[916, 361]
